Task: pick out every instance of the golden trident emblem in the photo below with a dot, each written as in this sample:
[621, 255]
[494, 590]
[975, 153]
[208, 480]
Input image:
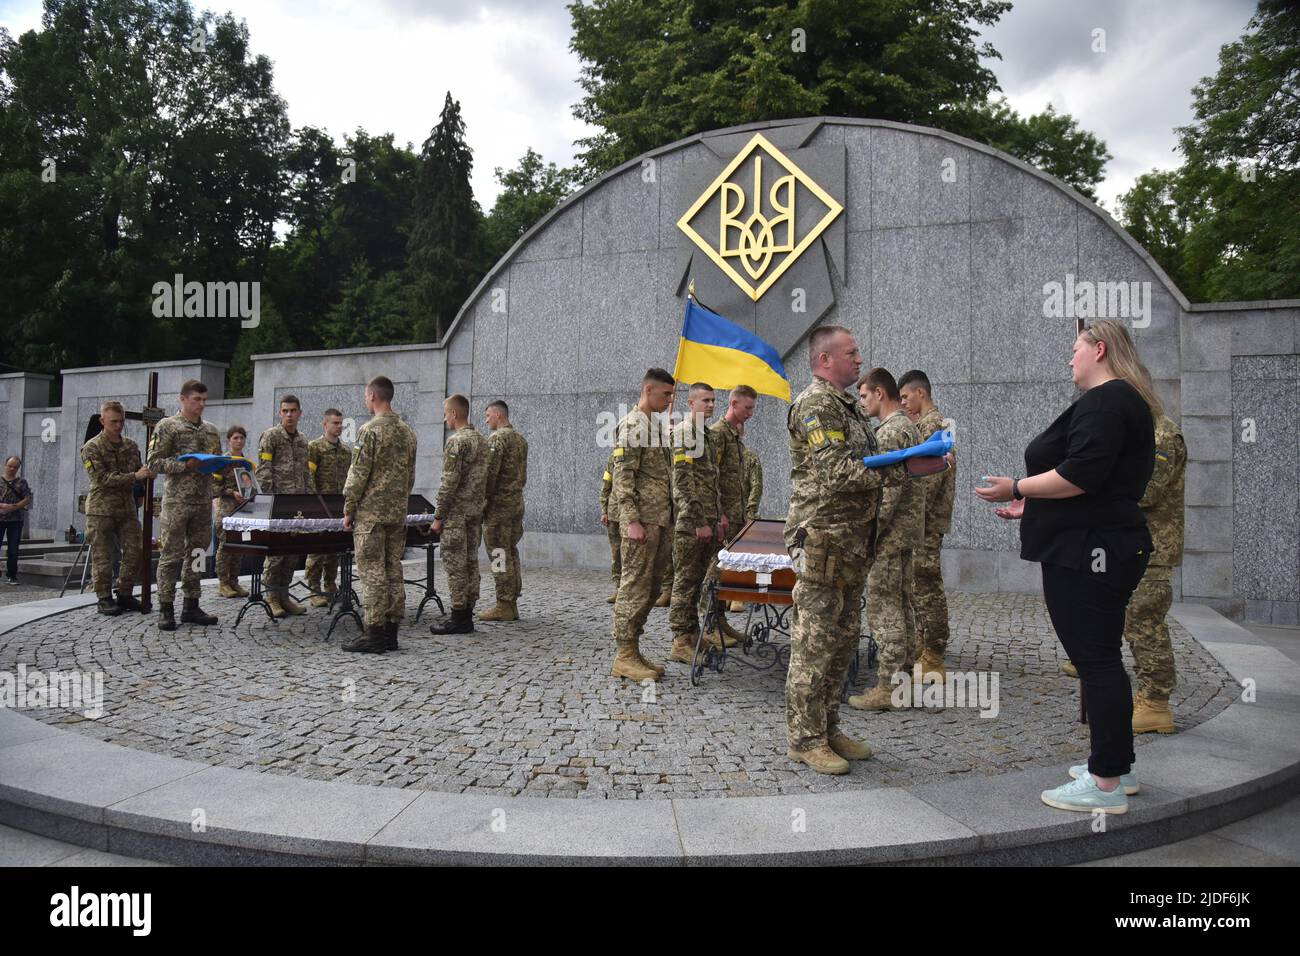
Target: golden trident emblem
[764, 245]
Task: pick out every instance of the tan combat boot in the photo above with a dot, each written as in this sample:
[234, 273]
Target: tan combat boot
[721, 638]
[848, 748]
[1152, 716]
[627, 663]
[227, 590]
[653, 665]
[277, 609]
[736, 607]
[734, 636]
[683, 651]
[665, 598]
[612, 598]
[1070, 670]
[319, 600]
[877, 698]
[822, 759]
[292, 606]
[931, 664]
[503, 611]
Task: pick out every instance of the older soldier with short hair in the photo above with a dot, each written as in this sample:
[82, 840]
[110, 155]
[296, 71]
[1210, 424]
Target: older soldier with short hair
[460, 514]
[185, 531]
[112, 462]
[328, 460]
[503, 509]
[375, 497]
[282, 469]
[833, 502]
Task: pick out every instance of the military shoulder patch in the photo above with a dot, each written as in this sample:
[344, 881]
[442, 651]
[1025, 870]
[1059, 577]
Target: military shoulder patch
[266, 456]
[681, 456]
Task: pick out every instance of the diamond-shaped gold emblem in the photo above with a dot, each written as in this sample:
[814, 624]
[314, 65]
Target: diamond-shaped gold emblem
[756, 230]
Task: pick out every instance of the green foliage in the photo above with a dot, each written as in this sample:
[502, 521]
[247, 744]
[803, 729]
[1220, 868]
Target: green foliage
[529, 192]
[1050, 141]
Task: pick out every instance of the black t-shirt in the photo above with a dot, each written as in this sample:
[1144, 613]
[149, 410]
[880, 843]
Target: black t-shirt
[1105, 444]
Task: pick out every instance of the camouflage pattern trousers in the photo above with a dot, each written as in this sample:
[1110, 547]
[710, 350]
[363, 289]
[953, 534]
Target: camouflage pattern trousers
[227, 563]
[691, 558]
[106, 535]
[322, 572]
[501, 535]
[184, 533]
[890, 611]
[277, 572]
[1148, 635]
[928, 599]
[615, 553]
[827, 622]
[378, 549]
[459, 543]
[643, 564]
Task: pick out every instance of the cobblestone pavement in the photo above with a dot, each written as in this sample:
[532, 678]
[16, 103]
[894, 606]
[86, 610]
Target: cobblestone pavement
[529, 707]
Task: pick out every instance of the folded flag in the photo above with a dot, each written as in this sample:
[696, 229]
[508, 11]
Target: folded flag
[937, 445]
[210, 464]
[715, 350]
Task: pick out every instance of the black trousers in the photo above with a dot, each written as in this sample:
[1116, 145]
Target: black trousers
[14, 529]
[1087, 609]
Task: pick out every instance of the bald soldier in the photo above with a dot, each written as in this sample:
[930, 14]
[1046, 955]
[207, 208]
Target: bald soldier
[503, 509]
[113, 465]
[460, 514]
[282, 469]
[833, 502]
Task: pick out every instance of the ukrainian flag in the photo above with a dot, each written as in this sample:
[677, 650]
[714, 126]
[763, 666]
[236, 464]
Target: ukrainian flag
[715, 350]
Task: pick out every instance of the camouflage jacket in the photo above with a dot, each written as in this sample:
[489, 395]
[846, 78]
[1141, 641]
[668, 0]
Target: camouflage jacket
[176, 436]
[833, 496]
[1162, 503]
[111, 469]
[940, 489]
[382, 474]
[608, 503]
[753, 484]
[282, 463]
[730, 452]
[225, 485]
[643, 471]
[328, 461]
[901, 522]
[507, 472]
[695, 476]
[464, 475]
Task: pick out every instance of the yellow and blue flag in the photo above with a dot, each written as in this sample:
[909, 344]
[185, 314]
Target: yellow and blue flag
[715, 350]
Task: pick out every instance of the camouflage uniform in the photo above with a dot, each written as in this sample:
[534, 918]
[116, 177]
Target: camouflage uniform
[111, 523]
[609, 508]
[829, 534]
[226, 487]
[1144, 626]
[186, 523]
[328, 462]
[928, 598]
[282, 469]
[503, 509]
[460, 506]
[900, 531]
[642, 470]
[753, 484]
[375, 495]
[730, 453]
[695, 494]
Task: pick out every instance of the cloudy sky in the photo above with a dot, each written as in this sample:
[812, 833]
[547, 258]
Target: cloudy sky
[386, 64]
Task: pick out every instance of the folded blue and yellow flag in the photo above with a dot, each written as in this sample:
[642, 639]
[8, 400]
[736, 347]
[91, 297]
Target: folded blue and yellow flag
[938, 444]
[210, 464]
[715, 350]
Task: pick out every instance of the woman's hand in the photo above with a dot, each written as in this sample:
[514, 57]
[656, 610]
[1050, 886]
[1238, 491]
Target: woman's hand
[998, 488]
[1013, 512]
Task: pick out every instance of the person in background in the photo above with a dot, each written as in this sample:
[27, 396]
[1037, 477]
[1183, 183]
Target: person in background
[228, 499]
[15, 499]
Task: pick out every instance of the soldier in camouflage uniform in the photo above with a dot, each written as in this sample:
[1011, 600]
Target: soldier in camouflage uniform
[185, 530]
[642, 488]
[375, 496]
[753, 485]
[900, 531]
[328, 460]
[730, 451]
[828, 533]
[229, 498]
[282, 469]
[503, 510]
[940, 490]
[609, 518]
[112, 462]
[697, 533]
[460, 513]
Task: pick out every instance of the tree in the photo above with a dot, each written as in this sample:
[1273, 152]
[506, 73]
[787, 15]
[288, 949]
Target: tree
[529, 192]
[370, 311]
[1050, 141]
[443, 250]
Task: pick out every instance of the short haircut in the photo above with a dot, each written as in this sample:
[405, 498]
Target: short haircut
[498, 403]
[744, 391]
[291, 400]
[658, 375]
[191, 386]
[112, 405]
[820, 338]
[382, 388]
[880, 378]
[917, 379]
[699, 387]
[236, 430]
[332, 411]
[460, 403]
[13, 458]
